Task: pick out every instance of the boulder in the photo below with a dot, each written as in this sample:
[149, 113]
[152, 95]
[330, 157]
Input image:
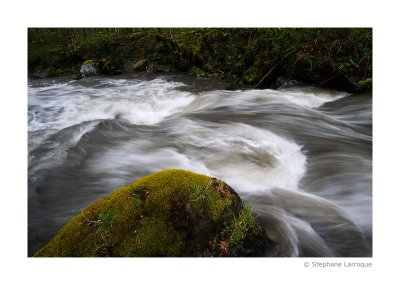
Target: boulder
[168, 213]
[110, 67]
[135, 66]
[49, 72]
[88, 68]
[77, 76]
[140, 65]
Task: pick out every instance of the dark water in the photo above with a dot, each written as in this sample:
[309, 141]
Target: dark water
[301, 157]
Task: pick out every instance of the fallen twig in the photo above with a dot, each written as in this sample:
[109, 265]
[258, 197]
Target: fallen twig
[265, 76]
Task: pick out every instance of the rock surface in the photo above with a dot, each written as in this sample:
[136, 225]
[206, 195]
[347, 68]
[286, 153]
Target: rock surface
[169, 213]
[110, 67]
[140, 65]
[154, 67]
[49, 72]
[88, 68]
[77, 76]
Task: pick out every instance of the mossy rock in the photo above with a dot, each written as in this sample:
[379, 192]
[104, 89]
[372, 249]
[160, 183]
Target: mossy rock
[169, 213]
[88, 68]
[366, 84]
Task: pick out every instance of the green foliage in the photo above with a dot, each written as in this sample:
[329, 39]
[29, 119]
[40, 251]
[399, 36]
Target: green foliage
[237, 235]
[309, 54]
[235, 232]
[160, 48]
[200, 73]
[104, 220]
[44, 56]
[197, 72]
[197, 193]
[366, 83]
[251, 75]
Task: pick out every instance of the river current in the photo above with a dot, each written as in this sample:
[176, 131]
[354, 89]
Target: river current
[300, 156]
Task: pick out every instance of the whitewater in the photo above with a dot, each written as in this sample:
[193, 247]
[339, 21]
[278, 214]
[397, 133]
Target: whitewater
[300, 156]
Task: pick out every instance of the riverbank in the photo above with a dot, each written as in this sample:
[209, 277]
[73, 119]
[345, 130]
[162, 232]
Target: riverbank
[337, 58]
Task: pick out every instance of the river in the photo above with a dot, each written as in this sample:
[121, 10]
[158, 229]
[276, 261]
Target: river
[300, 156]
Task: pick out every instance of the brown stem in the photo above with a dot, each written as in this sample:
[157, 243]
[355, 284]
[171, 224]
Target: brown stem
[265, 76]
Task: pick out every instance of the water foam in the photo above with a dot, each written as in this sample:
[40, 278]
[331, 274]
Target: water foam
[140, 157]
[310, 97]
[52, 150]
[143, 103]
[249, 100]
[251, 159]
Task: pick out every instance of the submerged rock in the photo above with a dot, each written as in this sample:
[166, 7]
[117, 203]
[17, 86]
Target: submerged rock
[88, 68]
[169, 213]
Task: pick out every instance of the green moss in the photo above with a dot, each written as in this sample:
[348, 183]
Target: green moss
[168, 186]
[89, 61]
[81, 237]
[153, 216]
[156, 238]
[367, 83]
[217, 204]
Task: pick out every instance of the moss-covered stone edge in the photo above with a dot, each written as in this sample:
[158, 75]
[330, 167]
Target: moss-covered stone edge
[154, 215]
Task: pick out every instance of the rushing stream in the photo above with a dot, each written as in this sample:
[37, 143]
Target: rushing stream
[301, 157]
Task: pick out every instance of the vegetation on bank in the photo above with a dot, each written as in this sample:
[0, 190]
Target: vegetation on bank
[168, 213]
[340, 58]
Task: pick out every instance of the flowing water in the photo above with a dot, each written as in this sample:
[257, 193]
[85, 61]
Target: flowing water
[301, 157]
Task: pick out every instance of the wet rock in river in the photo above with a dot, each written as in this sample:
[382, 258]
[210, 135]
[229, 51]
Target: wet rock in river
[169, 213]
